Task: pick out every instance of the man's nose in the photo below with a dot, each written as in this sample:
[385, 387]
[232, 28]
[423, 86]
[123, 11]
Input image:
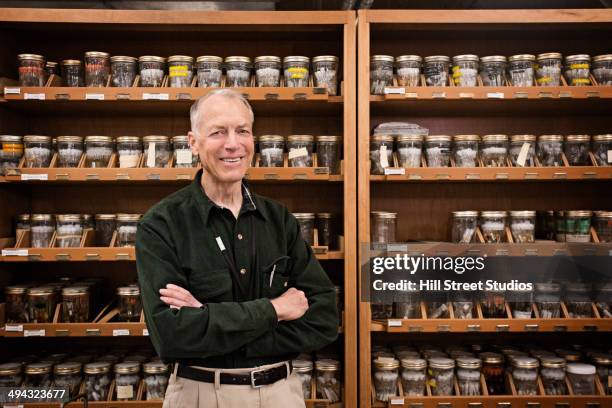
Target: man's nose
[232, 140]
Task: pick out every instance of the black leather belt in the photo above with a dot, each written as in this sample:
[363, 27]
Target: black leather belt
[256, 378]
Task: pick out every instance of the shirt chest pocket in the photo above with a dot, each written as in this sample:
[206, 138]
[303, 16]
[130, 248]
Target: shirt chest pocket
[276, 277]
[211, 286]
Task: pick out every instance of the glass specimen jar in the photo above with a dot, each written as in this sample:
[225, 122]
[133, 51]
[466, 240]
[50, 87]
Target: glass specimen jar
[329, 152]
[180, 71]
[409, 150]
[152, 70]
[521, 69]
[493, 224]
[237, 71]
[437, 150]
[603, 225]
[300, 148]
[577, 70]
[548, 69]
[97, 380]
[493, 372]
[209, 71]
[493, 304]
[129, 149]
[296, 71]
[578, 226]
[577, 149]
[381, 311]
[129, 303]
[72, 73]
[408, 305]
[38, 375]
[97, 68]
[493, 70]
[464, 226]
[441, 376]
[552, 372]
[386, 374]
[550, 150]
[602, 149]
[106, 224]
[98, 151]
[10, 375]
[582, 378]
[23, 222]
[303, 369]
[11, 152]
[381, 153]
[155, 380]
[522, 225]
[123, 70]
[127, 377]
[468, 375]
[69, 151]
[602, 69]
[16, 304]
[578, 300]
[437, 305]
[306, 222]
[381, 73]
[75, 304]
[271, 148]
[520, 303]
[548, 300]
[525, 375]
[42, 228]
[494, 150]
[68, 375]
[413, 376]
[182, 155]
[41, 304]
[465, 70]
[156, 151]
[329, 380]
[463, 305]
[69, 230]
[31, 70]
[51, 68]
[126, 229]
[325, 223]
[408, 70]
[522, 150]
[325, 73]
[383, 227]
[267, 71]
[38, 151]
[603, 363]
[465, 150]
[435, 70]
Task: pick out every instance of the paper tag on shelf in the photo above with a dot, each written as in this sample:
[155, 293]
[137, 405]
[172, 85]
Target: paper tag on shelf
[15, 328]
[12, 90]
[496, 95]
[184, 156]
[40, 177]
[145, 332]
[34, 333]
[396, 401]
[295, 153]
[384, 161]
[121, 332]
[394, 91]
[395, 171]
[155, 96]
[125, 392]
[151, 155]
[94, 96]
[34, 96]
[394, 323]
[522, 157]
[609, 156]
[14, 252]
[128, 161]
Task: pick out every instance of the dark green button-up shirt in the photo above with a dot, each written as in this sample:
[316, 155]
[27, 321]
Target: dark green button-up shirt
[177, 243]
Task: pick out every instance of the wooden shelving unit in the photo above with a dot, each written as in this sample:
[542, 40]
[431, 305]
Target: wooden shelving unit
[425, 197]
[129, 111]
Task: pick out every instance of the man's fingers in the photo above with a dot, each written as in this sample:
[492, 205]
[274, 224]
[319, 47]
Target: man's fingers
[173, 301]
[175, 294]
[178, 289]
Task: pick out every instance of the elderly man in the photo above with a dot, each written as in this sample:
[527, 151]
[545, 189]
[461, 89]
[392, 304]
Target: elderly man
[231, 291]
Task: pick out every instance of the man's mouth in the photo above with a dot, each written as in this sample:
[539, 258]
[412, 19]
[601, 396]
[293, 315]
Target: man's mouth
[231, 159]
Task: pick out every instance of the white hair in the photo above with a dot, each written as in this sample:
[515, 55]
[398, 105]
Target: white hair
[194, 112]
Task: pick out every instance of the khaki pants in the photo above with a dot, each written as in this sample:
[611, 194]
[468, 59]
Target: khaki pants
[186, 393]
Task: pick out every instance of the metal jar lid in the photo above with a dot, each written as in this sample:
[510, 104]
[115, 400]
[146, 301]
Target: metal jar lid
[33, 57]
[383, 214]
[304, 216]
[466, 138]
[577, 138]
[73, 139]
[16, 289]
[151, 58]
[128, 291]
[442, 363]
[382, 58]
[520, 214]
[408, 58]
[579, 213]
[75, 290]
[580, 369]
[7, 369]
[71, 62]
[67, 368]
[409, 138]
[493, 58]
[236, 58]
[38, 368]
[271, 138]
[180, 58]
[386, 364]
[180, 139]
[100, 367]
[51, 64]
[468, 362]
[106, 217]
[155, 368]
[334, 138]
[382, 138]
[438, 138]
[24, 217]
[411, 363]
[436, 58]
[41, 217]
[128, 217]
[553, 362]
[37, 139]
[596, 138]
[68, 217]
[599, 359]
[128, 139]
[548, 287]
[326, 215]
[325, 58]
[550, 138]
[300, 138]
[549, 55]
[97, 54]
[268, 58]
[302, 366]
[465, 214]
[123, 58]
[465, 58]
[522, 57]
[327, 364]
[155, 138]
[493, 214]
[209, 58]
[491, 358]
[103, 139]
[601, 58]
[578, 57]
[603, 214]
[495, 138]
[296, 58]
[525, 362]
[523, 138]
[18, 139]
[127, 368]
[41, 291]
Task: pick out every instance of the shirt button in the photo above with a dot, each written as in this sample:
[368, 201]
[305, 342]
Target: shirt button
[242, 271]
[240, 236]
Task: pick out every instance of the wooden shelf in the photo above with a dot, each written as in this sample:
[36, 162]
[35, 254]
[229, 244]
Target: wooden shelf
[500, 401]
[74, 330]
[310, 403]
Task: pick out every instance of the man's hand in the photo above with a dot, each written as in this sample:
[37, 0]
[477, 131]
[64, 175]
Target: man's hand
[291, 305]
[177, 297]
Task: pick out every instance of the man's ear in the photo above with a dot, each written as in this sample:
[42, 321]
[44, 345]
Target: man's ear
[193, 143]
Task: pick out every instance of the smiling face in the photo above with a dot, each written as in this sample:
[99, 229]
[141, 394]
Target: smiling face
[224, 141]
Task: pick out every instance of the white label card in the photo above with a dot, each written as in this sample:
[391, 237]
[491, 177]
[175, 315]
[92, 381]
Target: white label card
[295, 153]
[94, 96]
[12, 91]
[394, 323]
[522, 157]
[384, 161]
[184, 156]
[145, 332]
[609, 156]
[151, 155]
[15, 328]
[156, 96]
[392, 171]
[14, 252]
[40, 177]
[128, 161]
[125, 392]
[396, 401]
[121, 332]
[495, 95]
[394, 91]
[32, 96]
[34, 333]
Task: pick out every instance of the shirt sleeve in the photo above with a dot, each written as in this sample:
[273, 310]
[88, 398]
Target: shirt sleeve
[214, 329]
[318, 327]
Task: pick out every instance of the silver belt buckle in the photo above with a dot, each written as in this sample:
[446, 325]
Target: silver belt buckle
[253, 378]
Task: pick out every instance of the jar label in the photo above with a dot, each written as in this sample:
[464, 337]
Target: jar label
[125, 391]
[577, 81]
[579, 66]
[522, 157]
[384, 161]
[544, 80]
[128, 161]
[12, 148]
[295, 153]
[151, 155]
[297, 72]
[184, 156]
[178, 71]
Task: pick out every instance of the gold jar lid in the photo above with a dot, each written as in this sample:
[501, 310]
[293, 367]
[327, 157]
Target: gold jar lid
[327, 364]
[106, 217]
[549, 55]
[16, 289]
[382, 58]
[104, 139]
[300, 138]
[71, 62]
[525, 362]
[577, 138]
[128, 217]
[599, 359]
[155, 138]
[23, 217]
[302, 366]
[522, 57]
[128, 291]
[491, 358]
[442, 363]
[382, 138]
[579, 213]
[37, 138]
[466, 138]
[465, 214]
[97, 54]
[409, 138]
[38, 368]
[73, 139]
[325, 215]
[437, 58]
[493, 214]
[602, 58]
[11, 138]
[578, 57]
[75, 290]
[237, 58]
[209, 58]
[128, 139]
[603, 214]
[180, 58]
[7, 369]
[99, 367]
[552, 362]
[383, 214]
[51, 64]
[523, 138]
[602, 138]
[438, 138]
[304, 216]
[268, 58]
[522, 214]
[411, 363]
[495, 138]
[68, 217]
[550, 138]
[41, 291]
[151, 58]
[180, 139]
[468, 362]
[408, 58]
[33, 57]
[67, 368]
[334, 138]
[465, 58]
[296, 58]
[325, 58]
[127, 368]
[41, 217]
[386, 363]
[123, 58]
[154, 367]
[271, 138]
[493, 58]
